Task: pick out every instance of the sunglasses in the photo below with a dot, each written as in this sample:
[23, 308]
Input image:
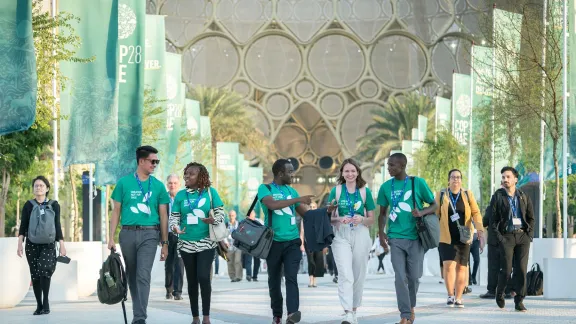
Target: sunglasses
[154, 162]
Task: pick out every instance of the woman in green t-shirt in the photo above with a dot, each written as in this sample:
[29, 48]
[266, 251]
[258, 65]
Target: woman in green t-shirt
[190, 219]
[352, 243]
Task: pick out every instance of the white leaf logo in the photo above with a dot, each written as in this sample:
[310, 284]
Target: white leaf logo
[407, 195]
[278, 212]
[289, 197]
[404, 206]
[126, 21]
[287, 210]
[357, 205]
[134, 210]
[397, 210]
[143, 208]
[201, 202]
[199, 213]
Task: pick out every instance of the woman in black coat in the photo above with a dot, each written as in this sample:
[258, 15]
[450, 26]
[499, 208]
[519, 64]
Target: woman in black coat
[41, 256]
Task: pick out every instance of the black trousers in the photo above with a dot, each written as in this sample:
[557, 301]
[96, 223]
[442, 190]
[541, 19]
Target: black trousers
[287, 256]
[380, 264]
[475, 251]
[173, 267]
[514, 250]
[251, 272]
[198, 269]
[315, 264]
[331, 263]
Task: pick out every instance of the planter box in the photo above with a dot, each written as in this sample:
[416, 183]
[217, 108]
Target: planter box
[66, 275]
[559, 279]
[89, 258]
[14, 274]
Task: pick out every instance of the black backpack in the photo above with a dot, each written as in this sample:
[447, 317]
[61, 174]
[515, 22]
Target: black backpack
[112, 286]
[535, 281]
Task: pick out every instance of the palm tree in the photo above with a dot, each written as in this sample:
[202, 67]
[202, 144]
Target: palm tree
[392, 125]
[231, 122]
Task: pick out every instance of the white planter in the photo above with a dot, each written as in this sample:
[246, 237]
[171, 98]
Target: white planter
[14, 274]
[559, 279]
[89, 257]
[551, 248]
[64, 286]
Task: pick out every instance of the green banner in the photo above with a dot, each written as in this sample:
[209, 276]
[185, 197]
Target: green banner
[174, 107]
[461, 108]
[90, 98]
[572, 86]
[179, 139]
[131, 40]
[206, 145]
[192, 112]
[18, 65]
[443, 113]
[254, 180]
[155, 112]
[226, 164]
[239, 181]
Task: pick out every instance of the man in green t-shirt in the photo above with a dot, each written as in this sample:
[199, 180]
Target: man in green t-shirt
[407, 253]
[281, 202]
[142, 201]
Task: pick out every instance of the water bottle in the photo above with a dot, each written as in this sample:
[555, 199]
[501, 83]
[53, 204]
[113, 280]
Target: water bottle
[109, 280]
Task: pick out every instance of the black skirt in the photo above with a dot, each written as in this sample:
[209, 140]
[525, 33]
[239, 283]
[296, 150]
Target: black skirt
[41, 259]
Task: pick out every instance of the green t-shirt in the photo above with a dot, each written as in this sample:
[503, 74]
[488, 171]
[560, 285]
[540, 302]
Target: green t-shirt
[283, 221]
[343, 207]
[136, 210]
[404, 226]
[191, 217]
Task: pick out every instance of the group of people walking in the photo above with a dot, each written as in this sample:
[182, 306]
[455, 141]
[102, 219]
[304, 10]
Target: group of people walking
[180, 221]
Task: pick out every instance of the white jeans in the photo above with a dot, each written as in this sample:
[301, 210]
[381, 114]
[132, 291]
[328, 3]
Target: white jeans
[351, 248]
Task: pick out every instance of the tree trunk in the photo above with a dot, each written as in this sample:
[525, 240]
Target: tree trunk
[557, 189]
[17, 226]
[3, 198]
[511, 143]
[106, 213]
[75, 231]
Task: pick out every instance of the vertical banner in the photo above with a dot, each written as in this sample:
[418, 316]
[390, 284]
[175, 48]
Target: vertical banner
[226, 163]
[18, 78]
[206, 136]
[131, 41]
[572, 86]
[422, 128]
[239, 179]
[174, 107]
[255, 179]
[155, 112]
[90, 99]
[443, 114]
[461, 108]
[192, 112]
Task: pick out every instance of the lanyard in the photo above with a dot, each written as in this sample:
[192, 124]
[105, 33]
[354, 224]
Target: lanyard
[350, 202]
[396, 201]
[146, 195]
[513, 205]
[283, 194]
[195, 201]
[454, 201]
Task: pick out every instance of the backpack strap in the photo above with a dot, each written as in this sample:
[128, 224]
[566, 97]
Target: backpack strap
[413, 193]
[338, 193]
[363, 197]
[34, 202]
[269, 211]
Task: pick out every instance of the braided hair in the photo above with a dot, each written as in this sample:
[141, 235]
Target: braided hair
[203, 175]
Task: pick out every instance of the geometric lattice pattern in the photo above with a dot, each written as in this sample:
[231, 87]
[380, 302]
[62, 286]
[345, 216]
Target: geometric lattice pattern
[312, 70]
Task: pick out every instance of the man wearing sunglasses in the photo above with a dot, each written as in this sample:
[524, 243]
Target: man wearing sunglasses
[141, 204]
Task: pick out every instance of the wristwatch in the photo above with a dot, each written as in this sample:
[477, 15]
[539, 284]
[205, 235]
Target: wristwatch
[164, 242]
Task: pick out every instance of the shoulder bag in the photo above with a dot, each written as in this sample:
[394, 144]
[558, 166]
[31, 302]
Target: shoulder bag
[218, 232]
[427, 226]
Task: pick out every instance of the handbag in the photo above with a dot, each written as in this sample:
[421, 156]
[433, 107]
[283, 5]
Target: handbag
[427, 226]
[222, 250]
[465, 233]
[218, 232]
[253, 238]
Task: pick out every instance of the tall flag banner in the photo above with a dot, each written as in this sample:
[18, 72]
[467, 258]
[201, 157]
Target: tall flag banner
[206, 135]
[572, 86]
[239, 179]
[18, 79]
[131, 40]
[443, 113]
[255, 179]
[245, 200]
[226, 163]
[422, 128]
[481, 91]
[90, 98]
[174, 107]
[461, 108]
[179, 139]
[154, 121]
[192, 111]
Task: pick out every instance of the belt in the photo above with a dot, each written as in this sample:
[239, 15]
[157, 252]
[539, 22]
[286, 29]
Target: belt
[138, 227]
[516, 231]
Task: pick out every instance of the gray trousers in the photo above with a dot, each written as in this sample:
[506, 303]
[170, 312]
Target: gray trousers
[407, 258]
[139, 250]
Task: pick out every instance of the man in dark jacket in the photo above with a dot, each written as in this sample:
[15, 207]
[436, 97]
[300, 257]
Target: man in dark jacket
[512, 221]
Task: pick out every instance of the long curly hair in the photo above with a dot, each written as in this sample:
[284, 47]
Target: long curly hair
[203, 175]
[360, 182]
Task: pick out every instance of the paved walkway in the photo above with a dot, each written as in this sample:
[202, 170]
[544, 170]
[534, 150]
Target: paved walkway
[248, 302]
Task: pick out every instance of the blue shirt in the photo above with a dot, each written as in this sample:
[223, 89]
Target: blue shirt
[518, 214]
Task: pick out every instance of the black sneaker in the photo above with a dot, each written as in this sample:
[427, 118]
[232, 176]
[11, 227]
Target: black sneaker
[169, 295]
[276, 320]
[458, 303]
[248, 278]
[254, 279]
[488, 295]
[500, 301]
[450, 301]
[293, 318]
[335, 280]
[519, 307]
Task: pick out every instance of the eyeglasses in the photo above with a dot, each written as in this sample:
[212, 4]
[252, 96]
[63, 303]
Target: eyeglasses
[455, 178]
[154, 162]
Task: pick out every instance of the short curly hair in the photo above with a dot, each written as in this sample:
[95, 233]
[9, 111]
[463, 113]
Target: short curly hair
[203, 175]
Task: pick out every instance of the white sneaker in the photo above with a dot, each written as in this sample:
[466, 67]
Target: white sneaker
[354, 318]
[348, 318]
